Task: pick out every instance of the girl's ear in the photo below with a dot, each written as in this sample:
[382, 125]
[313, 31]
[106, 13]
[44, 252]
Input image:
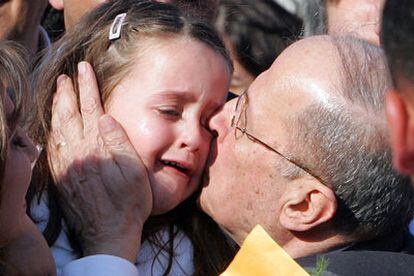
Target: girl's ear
[401, 126]
[56, 4]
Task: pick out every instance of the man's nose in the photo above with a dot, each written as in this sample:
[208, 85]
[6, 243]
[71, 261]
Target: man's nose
[220, 122]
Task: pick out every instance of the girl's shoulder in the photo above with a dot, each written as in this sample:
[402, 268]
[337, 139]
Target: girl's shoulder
[151, 259]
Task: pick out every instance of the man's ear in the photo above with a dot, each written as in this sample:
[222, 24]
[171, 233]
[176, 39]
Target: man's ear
[401, 124]
[307, 204]
[57, 4]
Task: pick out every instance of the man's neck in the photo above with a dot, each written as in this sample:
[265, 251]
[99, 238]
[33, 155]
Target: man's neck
[299, 247]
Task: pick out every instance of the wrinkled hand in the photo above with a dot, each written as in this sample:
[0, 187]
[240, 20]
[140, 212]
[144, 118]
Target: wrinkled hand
[103, 185]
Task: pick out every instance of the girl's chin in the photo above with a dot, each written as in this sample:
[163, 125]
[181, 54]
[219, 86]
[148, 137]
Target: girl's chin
[169, 189]
[164, 204]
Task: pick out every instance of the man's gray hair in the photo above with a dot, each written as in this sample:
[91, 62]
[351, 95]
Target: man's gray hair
[345, 143]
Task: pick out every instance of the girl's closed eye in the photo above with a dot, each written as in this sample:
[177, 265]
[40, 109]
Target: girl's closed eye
[169, 112]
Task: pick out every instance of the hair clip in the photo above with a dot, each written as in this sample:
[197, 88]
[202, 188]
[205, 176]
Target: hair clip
[116, 27]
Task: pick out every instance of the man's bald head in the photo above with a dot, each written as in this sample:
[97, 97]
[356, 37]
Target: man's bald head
[342, 136]
[318, 169]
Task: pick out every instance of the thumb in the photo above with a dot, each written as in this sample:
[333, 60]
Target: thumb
[122, 152]
[117, 143]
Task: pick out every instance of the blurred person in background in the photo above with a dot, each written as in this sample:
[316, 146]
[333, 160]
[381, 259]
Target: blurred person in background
[255, 32]
[360, 18]
[355, 17]
[206, 9]
[73, 10]
[23, 250]
[397, 38]
[20, 22]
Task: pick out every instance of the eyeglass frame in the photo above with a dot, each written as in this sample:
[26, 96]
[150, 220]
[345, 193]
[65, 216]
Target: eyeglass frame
[254, 139]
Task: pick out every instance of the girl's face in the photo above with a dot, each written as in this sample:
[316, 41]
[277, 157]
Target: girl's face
[164, 105]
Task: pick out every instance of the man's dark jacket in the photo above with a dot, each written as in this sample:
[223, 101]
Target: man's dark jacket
[390, 256]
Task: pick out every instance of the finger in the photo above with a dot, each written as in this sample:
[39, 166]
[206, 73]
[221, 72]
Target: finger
[68, 119]
[90, 102]
[55, 136]
[66, 128]
[125, 169]
[117, 143]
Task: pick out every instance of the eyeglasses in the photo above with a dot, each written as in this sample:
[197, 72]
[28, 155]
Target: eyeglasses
[239, 122]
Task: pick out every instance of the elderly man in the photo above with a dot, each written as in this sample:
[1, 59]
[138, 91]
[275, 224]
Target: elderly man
[303, 153]
[318, 137]
[20, 21]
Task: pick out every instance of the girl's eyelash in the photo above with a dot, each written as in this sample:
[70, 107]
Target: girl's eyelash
[170, 112]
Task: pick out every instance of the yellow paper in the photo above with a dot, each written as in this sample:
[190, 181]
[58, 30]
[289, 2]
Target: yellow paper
[261, 255]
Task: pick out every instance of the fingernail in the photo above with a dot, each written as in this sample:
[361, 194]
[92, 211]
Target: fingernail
[107, 123]
[60, 80]
[82, 67]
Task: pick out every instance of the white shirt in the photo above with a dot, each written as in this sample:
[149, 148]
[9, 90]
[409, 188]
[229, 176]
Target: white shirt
[149, 262]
